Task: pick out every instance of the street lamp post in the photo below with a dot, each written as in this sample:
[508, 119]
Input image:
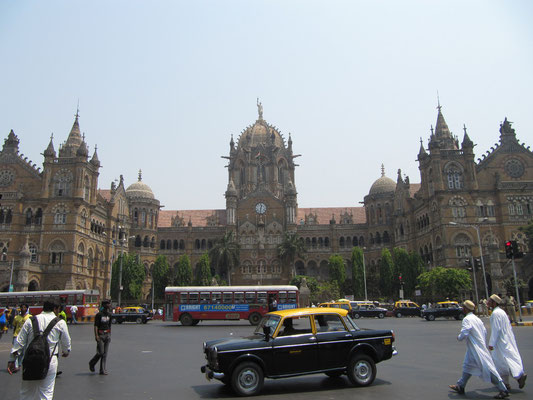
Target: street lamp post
[122, 240]
[476, 227]
[364, 272]
[475, 280]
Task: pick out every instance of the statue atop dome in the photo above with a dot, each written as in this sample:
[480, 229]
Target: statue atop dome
[259, 109]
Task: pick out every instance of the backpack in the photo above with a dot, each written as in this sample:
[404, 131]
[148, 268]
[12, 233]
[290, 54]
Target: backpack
[37, 356]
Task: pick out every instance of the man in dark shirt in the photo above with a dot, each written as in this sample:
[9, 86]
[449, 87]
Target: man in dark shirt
[102, 335]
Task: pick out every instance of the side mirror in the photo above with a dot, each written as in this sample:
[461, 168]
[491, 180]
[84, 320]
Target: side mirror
[266, 331]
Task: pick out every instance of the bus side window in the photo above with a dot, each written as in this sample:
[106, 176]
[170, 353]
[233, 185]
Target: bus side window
[183, 298]
[193, 298]
[282, 297]
[250, 297]
[239, 297]
[227, 298]
[262, 297]
[216, 297]
[205, 297]
[292, 297]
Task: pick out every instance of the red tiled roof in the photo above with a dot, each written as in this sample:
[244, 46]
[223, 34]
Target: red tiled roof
[413, 188]
[197, 217]
[106, 194]
[324, 214]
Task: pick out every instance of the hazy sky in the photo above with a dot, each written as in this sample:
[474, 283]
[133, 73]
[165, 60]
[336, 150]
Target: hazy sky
[162, 85]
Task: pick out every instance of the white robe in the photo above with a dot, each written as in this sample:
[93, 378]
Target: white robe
[477, 360]
[505, 354]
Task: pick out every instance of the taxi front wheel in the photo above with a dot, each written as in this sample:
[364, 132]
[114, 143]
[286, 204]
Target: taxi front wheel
[247, 379]
[361, 370]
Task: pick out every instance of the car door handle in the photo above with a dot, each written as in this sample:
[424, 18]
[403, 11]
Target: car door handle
[312, 338]
[347, 335]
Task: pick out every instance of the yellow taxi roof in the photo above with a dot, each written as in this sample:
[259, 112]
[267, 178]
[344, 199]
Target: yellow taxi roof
[447, 302]
[301, 312]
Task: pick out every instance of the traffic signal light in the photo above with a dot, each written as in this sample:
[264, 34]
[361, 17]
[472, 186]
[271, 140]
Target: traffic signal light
[509, 249]
[468, 263]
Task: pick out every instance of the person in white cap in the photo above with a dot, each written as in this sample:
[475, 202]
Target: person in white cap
[502, 343]
[477, 358]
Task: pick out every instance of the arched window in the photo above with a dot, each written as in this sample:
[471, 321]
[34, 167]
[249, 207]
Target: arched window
[86, 189]
[169, 244]
[29, 216]
[182, 244]
[454, 174]
[371, 239]
[175, 245]
[203, 244]
[197, 244]
[33, 252]
[62, 183]
[326, 242]
[355, 242]
[341, 242]
[313, 243]
[39, 216]
[162, 245]
[57, 249]
[462, 245]
[308, 242]
[9, 216]
[146, 242]
[458, 205]
[361, 241]
[60, 216]
[79, 255]
[386, 237]
[152, 242]
[320, 242]
[378, 238]
[138, 241]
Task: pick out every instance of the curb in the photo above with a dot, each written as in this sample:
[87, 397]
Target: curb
[529, 323]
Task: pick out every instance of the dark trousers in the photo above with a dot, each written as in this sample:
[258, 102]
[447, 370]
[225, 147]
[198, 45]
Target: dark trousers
[102, 347]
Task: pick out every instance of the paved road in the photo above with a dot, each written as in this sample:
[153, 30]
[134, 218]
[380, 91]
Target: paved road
[162, 361]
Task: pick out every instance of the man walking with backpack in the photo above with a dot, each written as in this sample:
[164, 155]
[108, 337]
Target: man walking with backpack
[39, 340]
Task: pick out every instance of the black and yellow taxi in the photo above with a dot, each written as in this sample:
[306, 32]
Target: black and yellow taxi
[297, 342]
[131, 314]
[345, 305]
[446, 309]
[406, 307]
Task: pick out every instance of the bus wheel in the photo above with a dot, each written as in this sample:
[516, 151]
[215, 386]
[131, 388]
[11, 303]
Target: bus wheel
[195, 321]
[254, 318]
[186, 319]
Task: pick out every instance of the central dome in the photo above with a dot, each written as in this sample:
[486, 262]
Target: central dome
[139, 190]
[383, 184]
[261, 133]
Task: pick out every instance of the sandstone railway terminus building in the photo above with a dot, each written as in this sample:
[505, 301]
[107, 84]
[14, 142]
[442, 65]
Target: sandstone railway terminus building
[59, 230]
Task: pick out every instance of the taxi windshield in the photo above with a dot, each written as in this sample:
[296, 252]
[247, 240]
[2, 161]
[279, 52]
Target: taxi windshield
[270, 321]
[350, 323]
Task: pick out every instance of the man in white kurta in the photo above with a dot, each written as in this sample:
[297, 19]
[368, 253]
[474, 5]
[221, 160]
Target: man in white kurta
[57, 338]
[502, 343]
[477, 359]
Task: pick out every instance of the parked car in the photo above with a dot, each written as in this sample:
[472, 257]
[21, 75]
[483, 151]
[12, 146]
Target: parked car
[405, 307]
[338, 304]
[131, 314]
[297, 342]
[447, 309]
[368, 310]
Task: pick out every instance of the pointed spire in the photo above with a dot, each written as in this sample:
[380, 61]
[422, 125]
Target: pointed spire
[382, 169]
[467, 143]
[11, 144]
[95, 161]
[140, 176]
[83, 150]
[399, 178]
[74, 139]
[231, 142]
[441, 128]
[50, 151]
[422, 152]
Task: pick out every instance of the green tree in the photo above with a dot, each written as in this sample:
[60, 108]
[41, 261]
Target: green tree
[326, 291]
[441, 283]
[225, 255]
[292, 246]
[337, 270]
[183, 274]
[203, 271]
[510, 288]
[161, 276]
[133, 275]
[386, 273]
[358, 274]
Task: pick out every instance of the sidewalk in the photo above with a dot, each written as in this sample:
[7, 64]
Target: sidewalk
[527, 320]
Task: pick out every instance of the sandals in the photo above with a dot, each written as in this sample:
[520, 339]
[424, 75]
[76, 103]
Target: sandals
[522, 381]
[458, 389]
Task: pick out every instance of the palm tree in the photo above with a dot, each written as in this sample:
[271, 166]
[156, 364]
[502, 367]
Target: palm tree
[291, 247]
[225, 254]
